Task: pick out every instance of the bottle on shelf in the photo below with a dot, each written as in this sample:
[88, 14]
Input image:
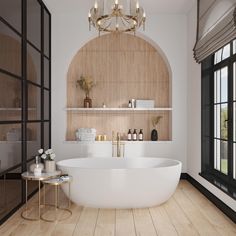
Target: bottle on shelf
[135, 135]
[130, 104]
[129, 136]
[140, 136]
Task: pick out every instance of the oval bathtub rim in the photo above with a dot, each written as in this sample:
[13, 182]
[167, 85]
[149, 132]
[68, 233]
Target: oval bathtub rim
[178, 163]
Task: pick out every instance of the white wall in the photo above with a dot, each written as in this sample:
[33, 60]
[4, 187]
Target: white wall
[70, 32]
[194, 115]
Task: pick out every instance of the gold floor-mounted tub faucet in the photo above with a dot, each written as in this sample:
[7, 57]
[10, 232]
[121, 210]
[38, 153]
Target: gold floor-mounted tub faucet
[118, 147]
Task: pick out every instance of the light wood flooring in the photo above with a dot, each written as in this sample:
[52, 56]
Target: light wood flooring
[188, 213]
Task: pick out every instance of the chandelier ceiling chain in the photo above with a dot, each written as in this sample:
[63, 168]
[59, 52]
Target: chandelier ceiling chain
[116, 16]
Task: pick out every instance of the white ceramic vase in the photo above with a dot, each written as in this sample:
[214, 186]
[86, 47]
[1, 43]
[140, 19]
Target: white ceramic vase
[50, 166]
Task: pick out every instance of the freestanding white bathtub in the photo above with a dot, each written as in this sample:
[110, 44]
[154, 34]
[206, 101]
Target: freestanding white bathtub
[121, 182]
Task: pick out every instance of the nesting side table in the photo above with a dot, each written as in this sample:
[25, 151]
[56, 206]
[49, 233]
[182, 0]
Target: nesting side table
[57, 182]
[30, 176]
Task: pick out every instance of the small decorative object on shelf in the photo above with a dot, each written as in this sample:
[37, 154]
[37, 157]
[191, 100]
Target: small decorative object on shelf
[48, 156]
[133, 103]
[104, 105]
[86, 84]
[154, 133]
[37, 167]
[129, 136]
[140, 136]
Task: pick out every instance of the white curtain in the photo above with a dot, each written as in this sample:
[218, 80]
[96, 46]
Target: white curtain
[216, 26]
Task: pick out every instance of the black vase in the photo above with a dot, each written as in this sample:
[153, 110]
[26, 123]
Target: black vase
[154, 135]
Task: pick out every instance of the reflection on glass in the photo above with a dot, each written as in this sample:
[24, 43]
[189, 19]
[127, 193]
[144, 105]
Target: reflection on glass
[10, 145]
[34, 139]
[10, 98]
[46, 105]
[224, 121]
[33, 65]
[34, 22]
[46, 33]
[34, 102]
[224, 157]
[46, 135]
[10, 11]
[32, 185]
[11, 192]
[46, 73]
[10, 48]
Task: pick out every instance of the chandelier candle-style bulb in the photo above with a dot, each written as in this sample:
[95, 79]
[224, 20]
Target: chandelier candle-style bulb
[113, 16]
[89, 19]
[137, 7]
[95, 7]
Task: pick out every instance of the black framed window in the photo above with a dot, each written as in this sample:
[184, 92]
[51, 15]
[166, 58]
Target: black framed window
[219, 118]
[25, 95]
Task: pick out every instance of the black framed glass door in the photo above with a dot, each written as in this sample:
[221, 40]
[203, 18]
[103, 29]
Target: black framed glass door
[25, 94]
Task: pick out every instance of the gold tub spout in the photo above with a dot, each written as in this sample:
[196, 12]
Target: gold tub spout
[118, 147]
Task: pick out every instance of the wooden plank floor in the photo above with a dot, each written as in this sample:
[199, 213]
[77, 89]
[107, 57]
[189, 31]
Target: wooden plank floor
[188, 213]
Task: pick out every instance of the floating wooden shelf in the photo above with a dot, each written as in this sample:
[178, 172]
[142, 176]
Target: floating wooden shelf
[97, 109]
[15, 109]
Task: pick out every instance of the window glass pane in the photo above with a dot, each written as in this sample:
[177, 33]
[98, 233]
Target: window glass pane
[234, 46]
[46, 73]
[224, 84]
[46, 105]
[10, 145]
[217, 88]
[217, 154]
[10, 48]
[34, 22]
[33, 139]
[217, 57]
[226, 52]
[234, 158]
[11, 191]
[46, 135]
[46, 33]
[10, 11]
[10, 98]
[34, 102]
[224, 156]
[33, 65]
[217, 121]
[234, 81]
[224, 121]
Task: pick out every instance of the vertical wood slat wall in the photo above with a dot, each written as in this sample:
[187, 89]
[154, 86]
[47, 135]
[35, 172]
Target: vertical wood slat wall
[123, 67]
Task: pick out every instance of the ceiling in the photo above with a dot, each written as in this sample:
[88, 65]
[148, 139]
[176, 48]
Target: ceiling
[150, 6]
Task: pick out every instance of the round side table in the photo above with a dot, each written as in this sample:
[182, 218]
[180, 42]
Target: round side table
[57, 182]
[30, 176]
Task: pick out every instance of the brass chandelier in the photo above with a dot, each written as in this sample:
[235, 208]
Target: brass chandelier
[116, 16]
